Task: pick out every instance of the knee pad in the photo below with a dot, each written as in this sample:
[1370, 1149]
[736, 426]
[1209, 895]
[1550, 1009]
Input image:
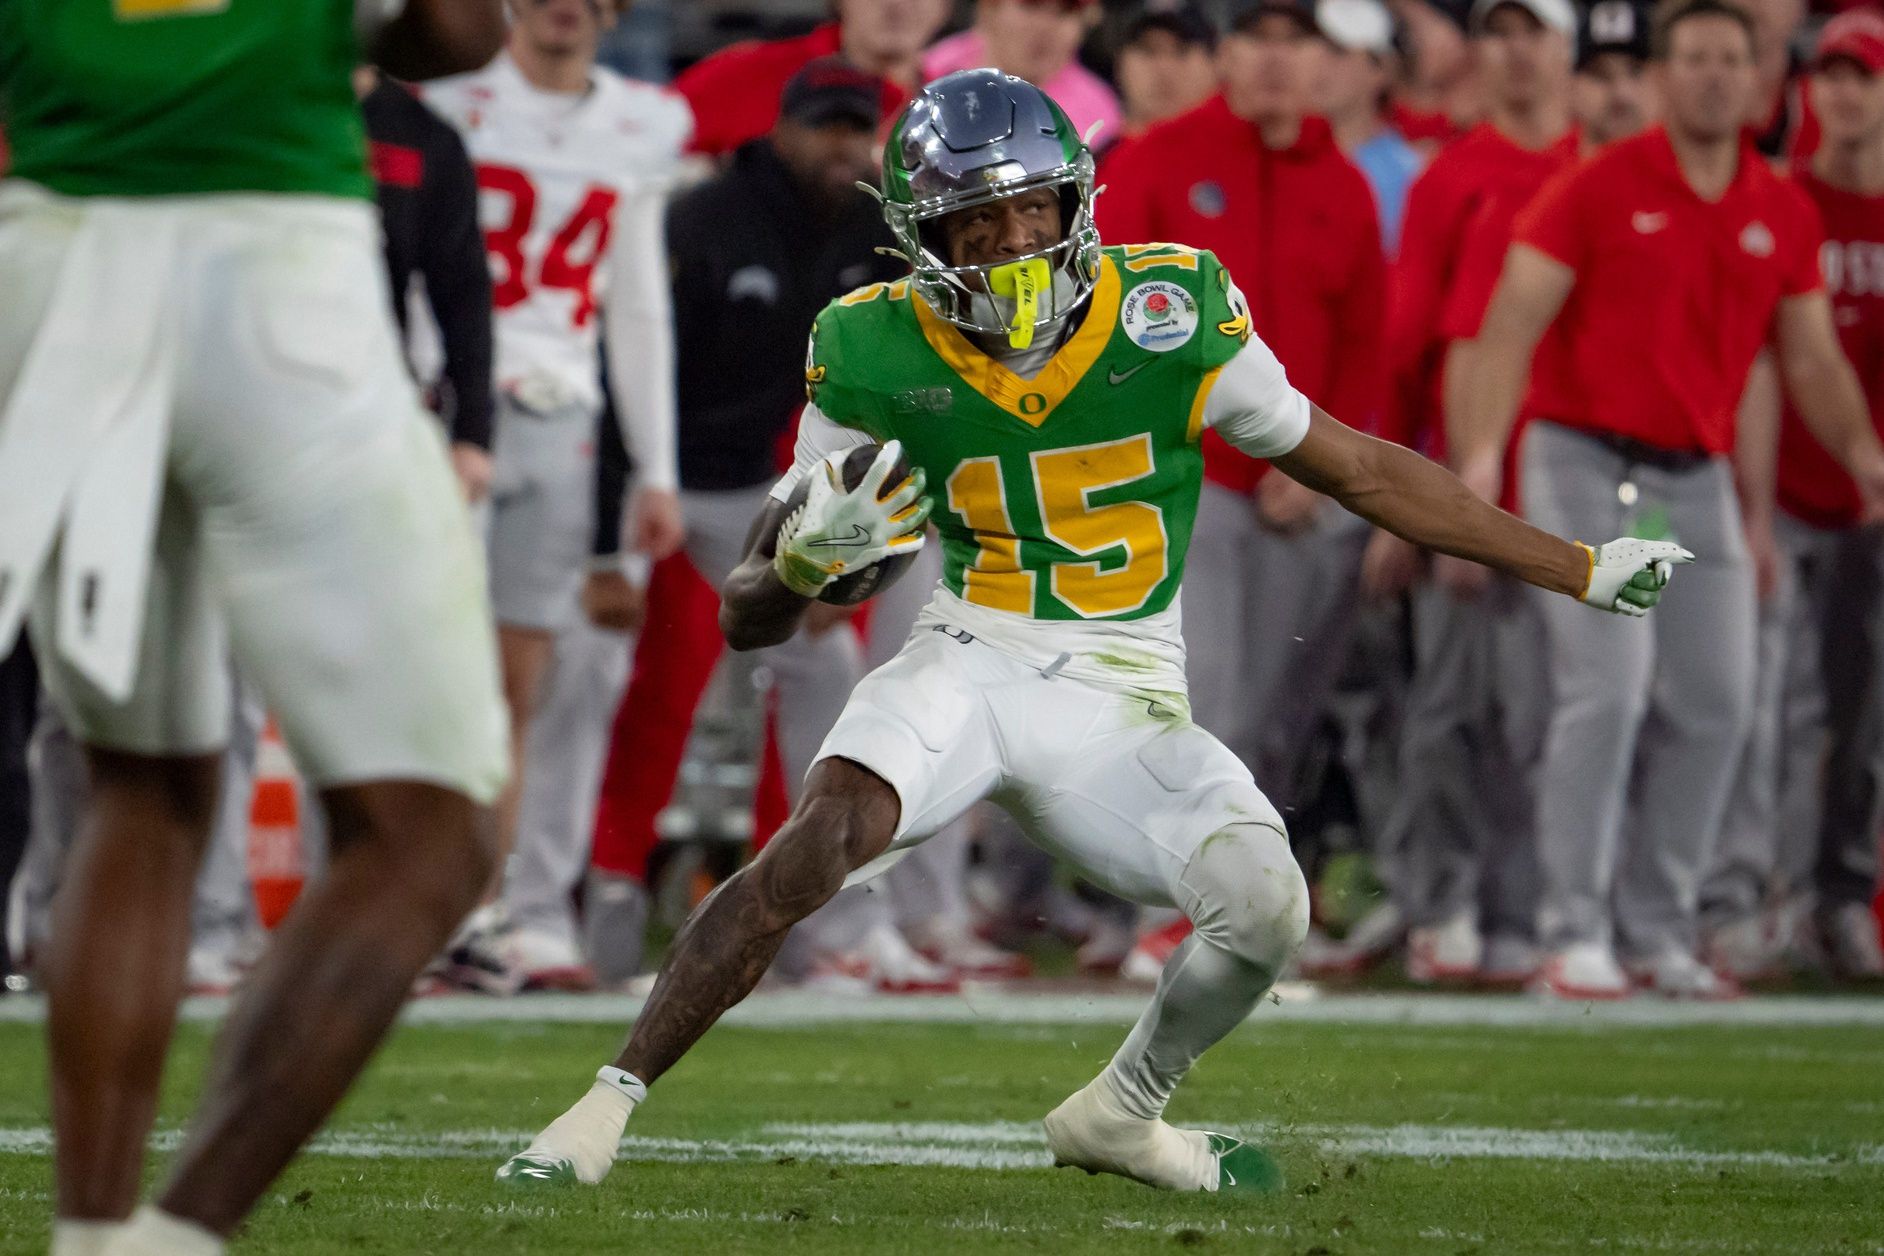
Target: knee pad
[1245, 894]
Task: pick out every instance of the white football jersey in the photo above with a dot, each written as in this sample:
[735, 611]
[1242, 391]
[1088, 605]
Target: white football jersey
[554, 175]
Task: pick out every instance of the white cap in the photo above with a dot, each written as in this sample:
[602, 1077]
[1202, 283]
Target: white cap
[1355, 25]
[1556, 15]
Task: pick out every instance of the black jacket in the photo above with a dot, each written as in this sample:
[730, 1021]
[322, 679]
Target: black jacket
[752, 267]
[428, 199]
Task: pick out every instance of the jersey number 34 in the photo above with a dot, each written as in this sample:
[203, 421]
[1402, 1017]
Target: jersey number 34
[569, 262]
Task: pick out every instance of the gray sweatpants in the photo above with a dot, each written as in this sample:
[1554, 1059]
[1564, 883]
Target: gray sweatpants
[1267, 622]
[1461, 836]
[1652, 710]
[566, 747]
[222, 915]
[1809, 798]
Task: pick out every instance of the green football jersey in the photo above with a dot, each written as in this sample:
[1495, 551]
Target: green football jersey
[1071, 495]
[175, 97]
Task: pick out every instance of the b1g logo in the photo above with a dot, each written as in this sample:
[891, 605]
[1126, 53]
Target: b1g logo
[1159, 316]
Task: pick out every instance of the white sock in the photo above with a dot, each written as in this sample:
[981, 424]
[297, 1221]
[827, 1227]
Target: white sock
[588, 1134]
[152, 1232]
[1203, 993]
[81, 1238]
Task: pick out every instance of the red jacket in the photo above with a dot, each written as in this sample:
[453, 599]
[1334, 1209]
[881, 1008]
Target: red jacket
[1482, 176]
[1297, 230]
[734, 93]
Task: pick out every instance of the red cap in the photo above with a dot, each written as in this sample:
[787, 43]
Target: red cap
[1856, 35]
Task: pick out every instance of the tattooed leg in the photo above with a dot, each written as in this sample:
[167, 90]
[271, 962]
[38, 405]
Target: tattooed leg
[846, 818]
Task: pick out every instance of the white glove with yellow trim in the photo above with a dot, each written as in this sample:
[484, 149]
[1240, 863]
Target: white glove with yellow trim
[839, 530]
[1627, 576]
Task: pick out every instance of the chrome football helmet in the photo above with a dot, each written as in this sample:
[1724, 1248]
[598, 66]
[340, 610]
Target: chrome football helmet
[977, 136]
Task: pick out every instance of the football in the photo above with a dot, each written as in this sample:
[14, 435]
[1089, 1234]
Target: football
[865, 583]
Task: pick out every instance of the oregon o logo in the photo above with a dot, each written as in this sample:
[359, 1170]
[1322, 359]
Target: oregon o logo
[1032, 403]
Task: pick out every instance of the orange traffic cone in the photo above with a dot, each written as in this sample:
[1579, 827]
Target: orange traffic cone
[277, 864]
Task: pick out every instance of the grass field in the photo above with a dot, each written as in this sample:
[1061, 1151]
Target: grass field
[1443, 1134]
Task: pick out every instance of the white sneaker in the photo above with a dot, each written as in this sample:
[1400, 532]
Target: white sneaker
[1509, 961]
[579, 1145]
[1092, 1131]
[1850, 938]
[1106, 947]
[947, 940]
[1585, 971]
[1153, 951]
[477, 959]
[1371, 940]
[891, 966]
[1451, 951]
[546, 959]
[1679, 975]
[1749, 948]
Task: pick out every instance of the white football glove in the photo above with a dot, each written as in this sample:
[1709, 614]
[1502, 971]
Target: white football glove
[840, 530]
[1627, 576]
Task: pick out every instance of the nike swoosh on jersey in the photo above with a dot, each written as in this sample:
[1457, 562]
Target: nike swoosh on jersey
[858, 536]
[1116, 376]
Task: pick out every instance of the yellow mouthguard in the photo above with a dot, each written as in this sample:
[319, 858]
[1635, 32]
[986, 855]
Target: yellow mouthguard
[1022, 281]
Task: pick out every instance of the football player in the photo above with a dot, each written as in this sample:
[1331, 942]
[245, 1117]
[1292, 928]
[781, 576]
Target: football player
[1049, 393]
[573, 163]
[209, 445]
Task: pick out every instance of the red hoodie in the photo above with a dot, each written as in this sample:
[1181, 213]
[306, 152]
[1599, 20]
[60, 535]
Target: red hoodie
[1296, 229]
[734, 93]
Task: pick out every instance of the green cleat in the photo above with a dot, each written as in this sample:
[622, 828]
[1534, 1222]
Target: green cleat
[1244, 1167]
[533, 1172]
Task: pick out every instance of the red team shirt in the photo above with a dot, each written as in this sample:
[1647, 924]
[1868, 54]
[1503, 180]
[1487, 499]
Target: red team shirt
[1674, 295]
[1440, 285]
[734, 93]
[1812, 485]
[1295, 227]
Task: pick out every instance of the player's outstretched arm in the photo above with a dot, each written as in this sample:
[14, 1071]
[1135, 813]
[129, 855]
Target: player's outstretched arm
[427, 39]
[1415, 498]
[792, 554]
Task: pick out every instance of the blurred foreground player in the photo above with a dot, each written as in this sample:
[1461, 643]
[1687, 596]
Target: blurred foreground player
[1053, 393]
[207, 437]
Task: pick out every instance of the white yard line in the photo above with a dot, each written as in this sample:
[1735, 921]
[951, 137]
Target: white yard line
[1007, 1145]
[996, 1005]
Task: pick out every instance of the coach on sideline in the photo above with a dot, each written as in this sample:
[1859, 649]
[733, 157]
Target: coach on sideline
[1666, 261]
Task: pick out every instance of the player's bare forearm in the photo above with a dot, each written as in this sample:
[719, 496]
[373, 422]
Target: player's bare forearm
[1419, 500]
[432, 38]
[756, 609]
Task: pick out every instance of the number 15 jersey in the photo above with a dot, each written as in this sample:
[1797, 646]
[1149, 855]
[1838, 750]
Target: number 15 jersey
[555, 172]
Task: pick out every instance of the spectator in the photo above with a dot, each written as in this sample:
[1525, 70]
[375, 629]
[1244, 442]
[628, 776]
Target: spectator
[1667, 261]
[428, 206]
[1459, 837]
[1610, 94]
[1164, 66]
[1436, 98]
[1808, 808]
[1251, 176]
[1355, 96]
[1781, 113]
[574, 163]
[1037, 40]
[735, 92]
[755, 253]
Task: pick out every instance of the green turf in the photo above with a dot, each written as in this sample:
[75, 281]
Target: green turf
[1707, 1101]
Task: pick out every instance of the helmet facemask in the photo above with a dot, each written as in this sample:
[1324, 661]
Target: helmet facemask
[971, 139]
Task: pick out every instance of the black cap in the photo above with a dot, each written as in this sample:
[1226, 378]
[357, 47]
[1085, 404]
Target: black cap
[1613, 26]
[832, 89]
[1182, 21]
[1249, 12]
